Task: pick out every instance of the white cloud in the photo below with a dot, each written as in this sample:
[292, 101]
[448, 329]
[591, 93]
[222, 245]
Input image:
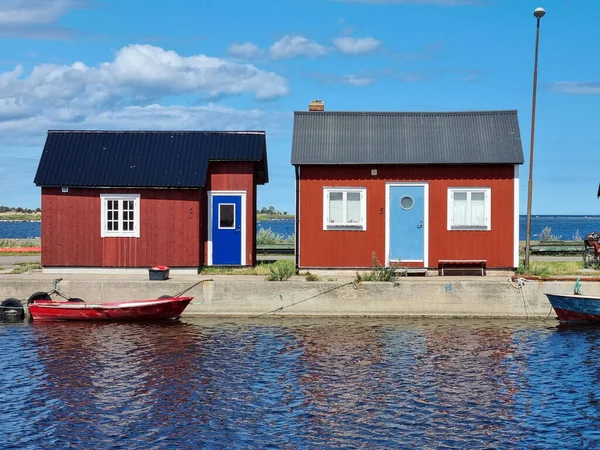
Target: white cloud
[577, 87]
[348, 44]
[28, 12]
[36, 18]
[127, 92]
[247, 50]
[139, 73]
[357, 80]
[291, 46]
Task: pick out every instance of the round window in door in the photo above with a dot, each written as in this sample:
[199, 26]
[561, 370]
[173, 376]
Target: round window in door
[406, 203]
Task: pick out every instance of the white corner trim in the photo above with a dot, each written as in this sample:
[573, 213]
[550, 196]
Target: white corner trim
[516, 194]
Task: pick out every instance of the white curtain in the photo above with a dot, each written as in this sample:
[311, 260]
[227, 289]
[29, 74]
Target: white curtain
[353, 207]
[459, 209]
[336, 207]
[477, 209]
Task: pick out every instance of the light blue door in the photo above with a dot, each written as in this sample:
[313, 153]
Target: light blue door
[406, 227]
[227, 229]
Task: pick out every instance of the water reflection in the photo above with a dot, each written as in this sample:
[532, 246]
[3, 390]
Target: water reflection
[299, 384]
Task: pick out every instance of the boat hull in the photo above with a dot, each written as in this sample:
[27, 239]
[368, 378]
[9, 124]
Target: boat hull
[136, 310]
[576, 308]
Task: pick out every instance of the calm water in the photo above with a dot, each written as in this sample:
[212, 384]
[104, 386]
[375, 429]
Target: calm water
[564, 227]
[299, 384]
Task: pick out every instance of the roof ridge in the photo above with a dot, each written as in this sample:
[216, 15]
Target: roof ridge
[160, 131]
[413, 113]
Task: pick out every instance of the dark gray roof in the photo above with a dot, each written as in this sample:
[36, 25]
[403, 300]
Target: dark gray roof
[145, 158]
[473, 137]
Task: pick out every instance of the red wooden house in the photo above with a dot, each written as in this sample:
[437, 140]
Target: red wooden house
[415, 189]
[134, 199]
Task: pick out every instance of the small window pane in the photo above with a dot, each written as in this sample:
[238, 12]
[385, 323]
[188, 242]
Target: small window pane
[336, 207]
[226, 216]
[478, 209]
[353, 207]
[459, 206]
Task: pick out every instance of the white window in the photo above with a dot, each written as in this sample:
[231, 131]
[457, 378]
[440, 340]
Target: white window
[120, 215]
[344, 209]
[469, 208]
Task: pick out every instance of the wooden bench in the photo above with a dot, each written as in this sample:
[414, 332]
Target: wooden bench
[462, 264]
[275, 249]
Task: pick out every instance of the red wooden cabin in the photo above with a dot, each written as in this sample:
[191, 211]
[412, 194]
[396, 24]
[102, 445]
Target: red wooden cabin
[415, 189]
[125, 200]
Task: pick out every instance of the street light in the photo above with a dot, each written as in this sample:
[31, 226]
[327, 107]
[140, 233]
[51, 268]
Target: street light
[538, 14]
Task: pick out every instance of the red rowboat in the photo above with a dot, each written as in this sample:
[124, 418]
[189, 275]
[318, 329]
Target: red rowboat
[133, 310]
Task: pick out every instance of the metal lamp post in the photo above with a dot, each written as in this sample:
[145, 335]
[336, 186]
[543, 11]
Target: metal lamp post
[538, 14]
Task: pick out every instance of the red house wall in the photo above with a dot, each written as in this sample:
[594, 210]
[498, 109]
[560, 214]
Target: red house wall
[238, 176]
[320, 248]
[169, 229]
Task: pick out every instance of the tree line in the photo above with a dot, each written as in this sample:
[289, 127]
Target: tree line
[271, 210]
[8, 209]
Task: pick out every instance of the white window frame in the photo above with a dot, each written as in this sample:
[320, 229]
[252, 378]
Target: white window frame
[487, 191]
[362, 226]
[104, 231]
[219, 218]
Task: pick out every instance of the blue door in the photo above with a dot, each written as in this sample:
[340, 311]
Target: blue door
[227, 229]
[406, 228]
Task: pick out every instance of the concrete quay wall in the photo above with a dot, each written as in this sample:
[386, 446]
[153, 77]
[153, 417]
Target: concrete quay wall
[251, 296]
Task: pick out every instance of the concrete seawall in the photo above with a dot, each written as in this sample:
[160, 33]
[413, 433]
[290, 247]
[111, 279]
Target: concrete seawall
[249, 296]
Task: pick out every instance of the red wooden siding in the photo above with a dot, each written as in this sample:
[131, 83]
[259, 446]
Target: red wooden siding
[169, 229]
[320, 248]
[238, 176]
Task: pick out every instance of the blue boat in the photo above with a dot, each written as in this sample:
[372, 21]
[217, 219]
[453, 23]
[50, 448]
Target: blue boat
[576, 308]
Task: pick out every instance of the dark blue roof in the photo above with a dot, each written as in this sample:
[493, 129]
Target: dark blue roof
[145, 158]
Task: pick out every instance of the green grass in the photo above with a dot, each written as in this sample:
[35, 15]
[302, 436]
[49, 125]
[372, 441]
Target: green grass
[12, 243]
[25, 267]
[555, 268]
[17, 217]
[1, 268]
[259, 269]
[261, 216]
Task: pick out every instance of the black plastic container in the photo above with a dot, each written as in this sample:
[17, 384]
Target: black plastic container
[158, 273]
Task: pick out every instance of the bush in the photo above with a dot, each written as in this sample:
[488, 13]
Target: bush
[266, 236]
[379, 272]
[546, 235]
[311, 277]
[281, 270]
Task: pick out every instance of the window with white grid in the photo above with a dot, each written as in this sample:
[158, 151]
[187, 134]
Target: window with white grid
[120, 215]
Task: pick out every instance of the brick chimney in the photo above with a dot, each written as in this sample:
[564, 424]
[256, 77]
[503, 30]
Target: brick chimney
[316, 105]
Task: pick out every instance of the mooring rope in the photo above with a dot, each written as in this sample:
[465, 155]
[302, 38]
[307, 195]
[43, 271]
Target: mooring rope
[179, 294]
[281, 308]
[519, 285]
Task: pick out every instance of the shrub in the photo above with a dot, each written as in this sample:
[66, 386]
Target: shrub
[311, 277]
[281, 270]
[546, 235]
[379, 272]
[266, 236]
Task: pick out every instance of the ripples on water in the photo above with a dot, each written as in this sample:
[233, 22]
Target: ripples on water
[299, 384]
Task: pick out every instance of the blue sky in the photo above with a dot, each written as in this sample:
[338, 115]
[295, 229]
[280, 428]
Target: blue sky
[233, 64]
